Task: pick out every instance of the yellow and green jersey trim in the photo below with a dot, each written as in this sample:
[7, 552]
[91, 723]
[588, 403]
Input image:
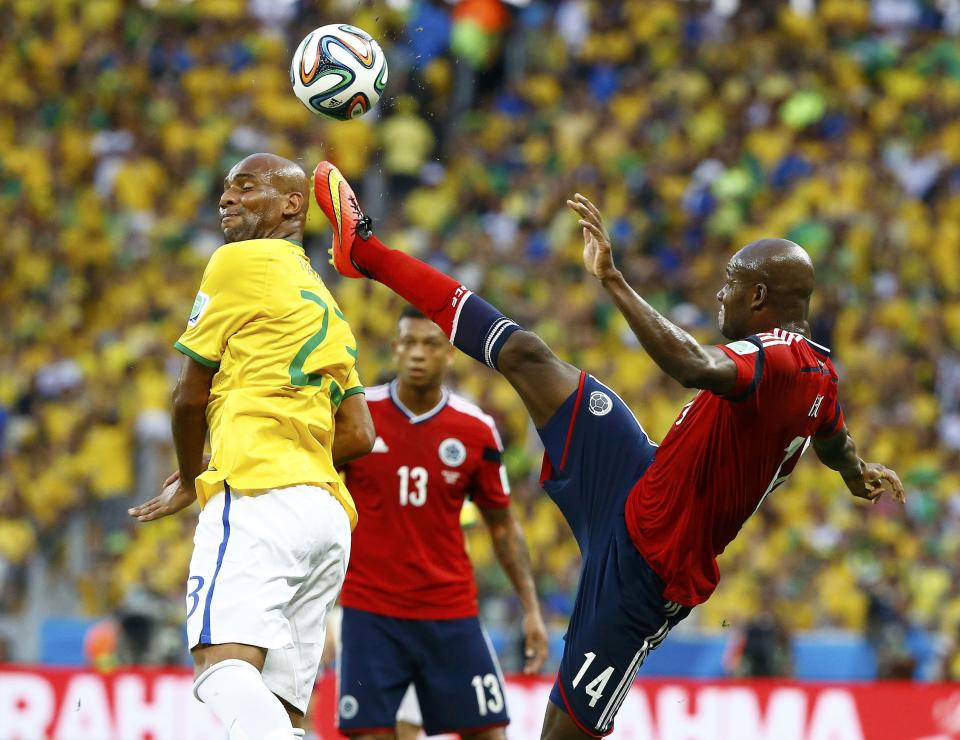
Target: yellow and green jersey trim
[337, 394]
[197, 358]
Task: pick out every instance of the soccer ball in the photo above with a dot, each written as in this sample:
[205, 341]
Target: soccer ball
[338, 71]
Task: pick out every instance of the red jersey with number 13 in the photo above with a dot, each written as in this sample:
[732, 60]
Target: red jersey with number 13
[725, 454]
[408, 558]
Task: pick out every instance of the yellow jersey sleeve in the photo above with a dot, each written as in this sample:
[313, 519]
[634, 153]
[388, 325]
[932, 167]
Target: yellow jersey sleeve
[353, 384]
[231, 294]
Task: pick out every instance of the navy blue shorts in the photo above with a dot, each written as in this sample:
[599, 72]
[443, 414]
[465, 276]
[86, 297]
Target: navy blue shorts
[596, 451]
[449, 661]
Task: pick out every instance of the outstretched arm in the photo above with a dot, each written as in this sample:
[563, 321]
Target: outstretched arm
[189, 434]
[865, 480]
[677, 353]
[511, 549]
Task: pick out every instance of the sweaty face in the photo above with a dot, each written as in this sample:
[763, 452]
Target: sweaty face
[422, 353]
[250, 206]
[734, 306]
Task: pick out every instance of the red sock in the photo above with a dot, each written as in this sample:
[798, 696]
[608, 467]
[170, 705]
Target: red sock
[473, 325]
[435, 294]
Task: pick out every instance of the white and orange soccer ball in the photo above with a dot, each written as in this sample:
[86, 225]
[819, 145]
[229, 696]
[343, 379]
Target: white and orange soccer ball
[338, 71]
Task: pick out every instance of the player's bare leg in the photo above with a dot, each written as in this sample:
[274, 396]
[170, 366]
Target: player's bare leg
[205, 656]
[407, 731]
[296, 719]
[557, 725]
[541, 379]
[475, 327]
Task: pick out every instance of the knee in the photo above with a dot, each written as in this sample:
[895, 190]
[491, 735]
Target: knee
[524, 349]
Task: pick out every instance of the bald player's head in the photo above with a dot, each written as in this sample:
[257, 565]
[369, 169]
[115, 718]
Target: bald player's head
[264, 197]
[768, 285]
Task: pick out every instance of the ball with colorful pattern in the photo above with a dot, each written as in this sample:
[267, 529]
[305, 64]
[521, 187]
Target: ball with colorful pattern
[338, 71]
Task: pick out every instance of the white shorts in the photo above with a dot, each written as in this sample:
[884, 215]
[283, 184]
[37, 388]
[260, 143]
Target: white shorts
[265, 571]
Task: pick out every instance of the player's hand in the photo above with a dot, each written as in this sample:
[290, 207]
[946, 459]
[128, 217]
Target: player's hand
[175, 475]
[536, 646]
[174, 497]
[874, 480]
[597, 252]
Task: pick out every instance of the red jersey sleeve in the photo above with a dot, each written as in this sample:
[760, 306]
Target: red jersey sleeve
[747, 354]
[833, 421]
[490, 488]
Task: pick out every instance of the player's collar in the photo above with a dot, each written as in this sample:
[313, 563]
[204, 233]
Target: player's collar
[820, 347]
[417, 418]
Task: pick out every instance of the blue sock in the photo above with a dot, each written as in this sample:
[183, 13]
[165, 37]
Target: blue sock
[480, 330]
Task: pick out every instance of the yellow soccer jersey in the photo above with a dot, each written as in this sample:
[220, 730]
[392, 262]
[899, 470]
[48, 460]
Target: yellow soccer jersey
[286, 358]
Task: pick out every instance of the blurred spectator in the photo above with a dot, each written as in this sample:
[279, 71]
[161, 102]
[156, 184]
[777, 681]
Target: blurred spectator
[887, 629]
[763, 650]
[150, 630]
[406, 142]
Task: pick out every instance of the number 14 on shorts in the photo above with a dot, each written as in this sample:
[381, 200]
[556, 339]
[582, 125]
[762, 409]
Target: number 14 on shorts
[595, 688]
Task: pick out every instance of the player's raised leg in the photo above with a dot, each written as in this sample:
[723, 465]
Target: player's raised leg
[542, 380]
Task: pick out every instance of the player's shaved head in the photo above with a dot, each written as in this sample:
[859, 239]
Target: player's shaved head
[769, 284]
[285, 175]
[264, 196]
[782, 265]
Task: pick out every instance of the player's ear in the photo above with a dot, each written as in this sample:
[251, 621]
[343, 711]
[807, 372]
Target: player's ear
[759, 297]
[295, 203]
[451, 355]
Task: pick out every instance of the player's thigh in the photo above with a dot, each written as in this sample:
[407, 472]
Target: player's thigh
[599, 665]
[542, 380]
[459, 682]
[290, 671]
[595, 451]
[619, 616]
[375, 670]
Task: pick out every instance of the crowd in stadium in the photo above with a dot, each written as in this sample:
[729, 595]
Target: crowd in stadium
[695, 132]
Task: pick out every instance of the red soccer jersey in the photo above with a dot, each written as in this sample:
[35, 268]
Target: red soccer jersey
[725, 454]
[408, 558]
